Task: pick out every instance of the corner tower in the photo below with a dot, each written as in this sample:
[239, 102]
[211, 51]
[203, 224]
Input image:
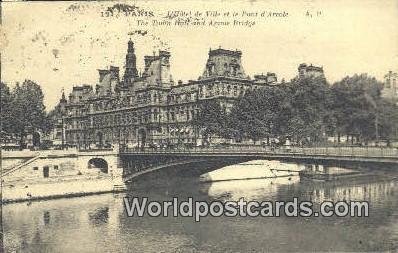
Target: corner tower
[305, 70]
[130, 73]
[222, 62]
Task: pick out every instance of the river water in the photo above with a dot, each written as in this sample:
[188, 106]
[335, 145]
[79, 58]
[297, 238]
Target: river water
[100, 223]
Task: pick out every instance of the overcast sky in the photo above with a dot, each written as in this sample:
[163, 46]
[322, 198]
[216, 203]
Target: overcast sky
[60, 46]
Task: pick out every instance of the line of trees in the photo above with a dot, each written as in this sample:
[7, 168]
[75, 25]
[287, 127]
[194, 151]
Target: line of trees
[306, 110]
[22, 110]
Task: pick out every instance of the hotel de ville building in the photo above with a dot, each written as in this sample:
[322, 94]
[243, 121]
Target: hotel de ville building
[150, 108]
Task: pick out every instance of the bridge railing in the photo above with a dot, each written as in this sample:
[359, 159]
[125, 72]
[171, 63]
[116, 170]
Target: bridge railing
[287, 150]
[96, 149]
[348, 151]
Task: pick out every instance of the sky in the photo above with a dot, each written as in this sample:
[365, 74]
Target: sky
[62, 44]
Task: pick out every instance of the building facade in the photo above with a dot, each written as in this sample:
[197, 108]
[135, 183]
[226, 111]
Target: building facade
[150, 108]
[390, 88]
[305, 70]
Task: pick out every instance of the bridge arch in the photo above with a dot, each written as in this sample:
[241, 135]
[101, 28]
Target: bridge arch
[181, 165]
[98, 163]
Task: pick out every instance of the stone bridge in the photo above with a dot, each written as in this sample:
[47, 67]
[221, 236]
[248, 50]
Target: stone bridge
[140, 162]
[133, 163]
[100, 158]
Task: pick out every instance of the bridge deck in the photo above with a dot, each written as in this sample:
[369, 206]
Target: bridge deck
[365, 154]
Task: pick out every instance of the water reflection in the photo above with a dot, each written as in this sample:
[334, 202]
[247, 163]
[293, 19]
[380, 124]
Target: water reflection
[372, 192]
[254, 189]
[99, 223]
[46, 217]
[99, 216]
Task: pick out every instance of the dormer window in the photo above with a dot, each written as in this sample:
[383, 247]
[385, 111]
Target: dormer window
[234, 70]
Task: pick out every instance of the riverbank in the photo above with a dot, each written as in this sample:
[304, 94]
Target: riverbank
[60, 188]
[48, 174]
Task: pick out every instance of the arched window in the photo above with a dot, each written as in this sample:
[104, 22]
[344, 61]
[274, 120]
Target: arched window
[228, 89]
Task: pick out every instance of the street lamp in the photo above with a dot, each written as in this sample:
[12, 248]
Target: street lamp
[377, 127]
[62, 133]
[1, 191]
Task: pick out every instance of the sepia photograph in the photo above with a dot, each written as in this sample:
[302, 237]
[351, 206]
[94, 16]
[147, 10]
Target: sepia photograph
[199, 126]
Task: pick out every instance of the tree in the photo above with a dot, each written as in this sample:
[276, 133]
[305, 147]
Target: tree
[388, 120]
[211, 119]
[28, 110]
[311, 103]
[259, 114]
[299, 110]
[5, 109]
[356, 105]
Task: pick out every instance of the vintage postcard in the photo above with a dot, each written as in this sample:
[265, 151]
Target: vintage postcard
[199, 126]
